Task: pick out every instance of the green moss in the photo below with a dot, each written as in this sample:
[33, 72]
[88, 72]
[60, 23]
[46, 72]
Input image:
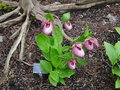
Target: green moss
[5, 7]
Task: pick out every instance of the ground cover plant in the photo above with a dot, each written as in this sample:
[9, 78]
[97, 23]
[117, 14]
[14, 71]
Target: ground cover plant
[113, 53]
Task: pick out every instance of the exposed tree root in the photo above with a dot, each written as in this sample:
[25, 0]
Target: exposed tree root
[33, 8]
[12, 21]
[7, 15]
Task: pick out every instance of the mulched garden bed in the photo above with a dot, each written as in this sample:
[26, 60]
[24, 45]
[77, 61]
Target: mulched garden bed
[96, 75]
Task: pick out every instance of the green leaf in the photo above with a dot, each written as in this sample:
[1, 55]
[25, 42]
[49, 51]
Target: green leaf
[117, 29]
[117, 47]
[63, 65]
[49, 16]
[116, 71]
[81, 62]
[54, 55]
[46, 66]
[65, 73]
[111, 53]
[62, 81]
[84, 36]
[67, 56]
[51, 41]
[117, 83]
[66, 17]
[54, 83]
[54, 75]
[86, 33]
[57, 35]
[43, 42]
[65, 48]
[47, 56]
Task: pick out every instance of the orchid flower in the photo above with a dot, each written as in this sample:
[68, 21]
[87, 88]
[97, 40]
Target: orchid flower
[47, 26]
[72, 63]
[90, 42]
[77, 49]
[68, 25]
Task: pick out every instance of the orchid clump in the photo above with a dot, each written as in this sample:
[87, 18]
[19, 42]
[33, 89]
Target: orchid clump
[61, 61]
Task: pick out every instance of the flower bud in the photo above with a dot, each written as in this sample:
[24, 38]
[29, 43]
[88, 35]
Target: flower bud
[77, 49]
[47, 27]
[68, 25]
[90, 42]
[72, 63]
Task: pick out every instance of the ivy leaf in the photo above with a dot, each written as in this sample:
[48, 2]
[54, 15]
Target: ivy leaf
[49, 16]
[62, 81]
[66, 17]
[111, 53]
[118, 30]
[117, 83]
[43, 42]
[54, 75]
[116, 71]
[53, 82]
[46, 66]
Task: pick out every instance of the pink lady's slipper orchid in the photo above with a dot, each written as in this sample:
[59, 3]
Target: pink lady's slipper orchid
[77, 49]
[68, 25]
[47, 26]
[90, 42]
[72, 63]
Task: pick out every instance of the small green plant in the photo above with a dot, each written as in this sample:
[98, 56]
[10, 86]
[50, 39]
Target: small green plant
[60, 61]
[113, 52]
[5, 7]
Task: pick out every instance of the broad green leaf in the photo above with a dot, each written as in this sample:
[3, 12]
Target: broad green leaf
[54, 56]
[47, 56]
[117, 47]
[116, 71]
[63, 64]
[65, 48]
[84, 36]
[62, 81]
[54, 83]
[54, 75]
[111, 53]
[46, 66]
[51, 41]
[43, 42]
[118, 29]
[66, 17]
[65, 73]
[81, 62]
[57, 35]
[117, 83]
[49, 16]
[67, 56]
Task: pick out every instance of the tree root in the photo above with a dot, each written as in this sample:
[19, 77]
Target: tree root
[12, 22]
[7, 15]
[32, 7]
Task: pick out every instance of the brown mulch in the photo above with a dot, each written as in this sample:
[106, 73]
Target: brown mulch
[94, 76]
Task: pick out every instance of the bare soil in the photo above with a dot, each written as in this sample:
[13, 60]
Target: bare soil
[94, 76]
